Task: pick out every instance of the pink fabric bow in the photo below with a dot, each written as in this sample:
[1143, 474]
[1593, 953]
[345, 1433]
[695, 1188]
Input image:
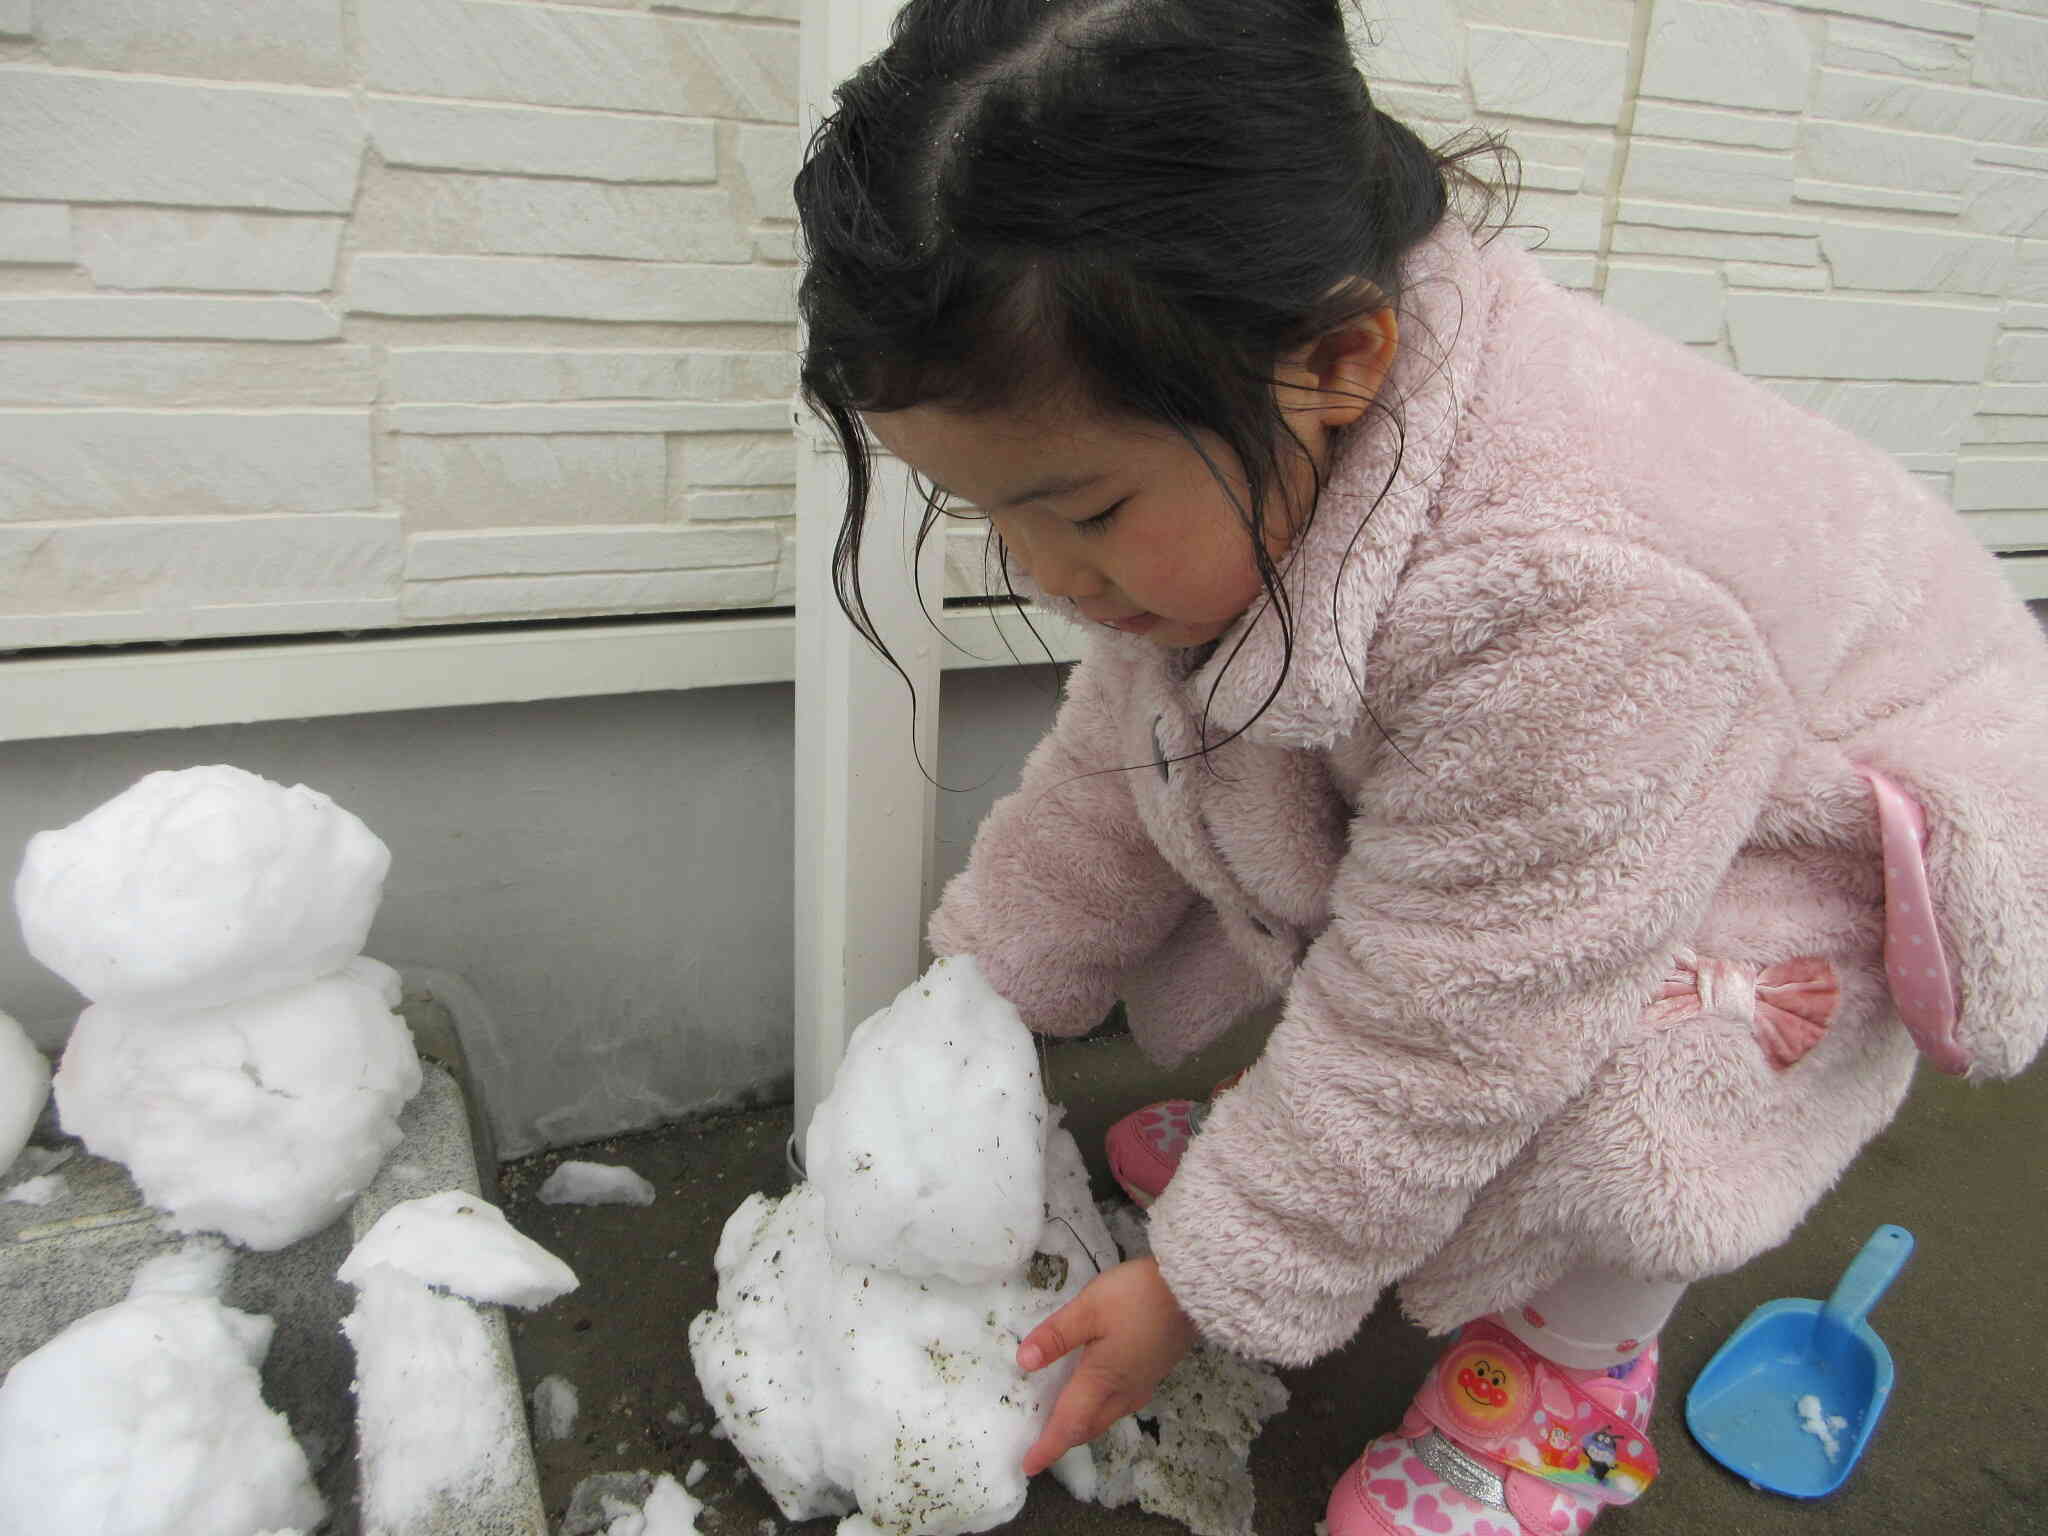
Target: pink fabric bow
[1787, 1006]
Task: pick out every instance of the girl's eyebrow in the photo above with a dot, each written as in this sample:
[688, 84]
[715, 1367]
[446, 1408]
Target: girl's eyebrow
[1056, 485]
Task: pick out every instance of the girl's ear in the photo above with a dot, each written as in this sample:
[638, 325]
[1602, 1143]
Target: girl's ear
[1333, 379]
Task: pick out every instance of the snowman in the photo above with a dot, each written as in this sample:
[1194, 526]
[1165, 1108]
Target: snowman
[240, 1055]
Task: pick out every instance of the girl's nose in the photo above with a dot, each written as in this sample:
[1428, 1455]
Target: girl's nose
[1061, 571]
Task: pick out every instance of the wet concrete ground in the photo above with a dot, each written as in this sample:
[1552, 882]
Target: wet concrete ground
[1963, 1446]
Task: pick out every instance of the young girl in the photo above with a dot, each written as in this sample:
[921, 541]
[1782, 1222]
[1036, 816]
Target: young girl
[1617, 770]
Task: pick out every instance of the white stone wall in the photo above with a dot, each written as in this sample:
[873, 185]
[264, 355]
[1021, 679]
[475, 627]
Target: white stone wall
[346, 314]
[1846, 199]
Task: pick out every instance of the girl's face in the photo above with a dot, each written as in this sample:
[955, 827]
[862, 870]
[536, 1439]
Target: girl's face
[1125, 518]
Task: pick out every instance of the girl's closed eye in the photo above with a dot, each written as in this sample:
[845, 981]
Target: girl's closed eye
[1100, 520]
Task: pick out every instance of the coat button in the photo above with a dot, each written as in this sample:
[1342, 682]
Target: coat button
[1158, 749]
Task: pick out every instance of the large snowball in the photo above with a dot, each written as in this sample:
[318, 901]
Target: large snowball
[200, 887]
[929, 1152]
[262, 1119]
[147, 1419]
[24, 1085]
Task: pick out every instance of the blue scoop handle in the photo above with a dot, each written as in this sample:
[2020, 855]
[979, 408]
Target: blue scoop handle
[1869, 1277]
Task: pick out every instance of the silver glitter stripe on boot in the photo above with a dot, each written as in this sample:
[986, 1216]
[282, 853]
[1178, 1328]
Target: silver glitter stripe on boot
[1449, 1462]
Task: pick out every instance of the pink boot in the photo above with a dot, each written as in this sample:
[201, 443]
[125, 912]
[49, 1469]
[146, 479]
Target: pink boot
[1147, 1145]
[1501, 1442]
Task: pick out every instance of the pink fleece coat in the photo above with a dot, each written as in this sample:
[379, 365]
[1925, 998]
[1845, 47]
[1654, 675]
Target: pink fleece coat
[1589, 686]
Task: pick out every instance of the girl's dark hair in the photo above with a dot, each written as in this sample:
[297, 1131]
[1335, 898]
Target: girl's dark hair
[1145, 203]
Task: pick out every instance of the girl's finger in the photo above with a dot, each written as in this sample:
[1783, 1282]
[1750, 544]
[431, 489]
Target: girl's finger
[1084, 1410]
[1062, 1333]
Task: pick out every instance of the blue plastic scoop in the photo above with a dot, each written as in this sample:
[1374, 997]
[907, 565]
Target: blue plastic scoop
[1791, 1399]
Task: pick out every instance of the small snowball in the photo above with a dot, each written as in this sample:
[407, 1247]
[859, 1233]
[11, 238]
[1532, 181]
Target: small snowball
[262, 1119]
[462, 1243]
[668, 1511]
[929, 1151]
[147, 1417]
[580, 1183]
[696, 1474]
[432, 1424]
[24, 1085]
[40, 1190]
[1824, 1427]
[200, 887]
[554, 1408]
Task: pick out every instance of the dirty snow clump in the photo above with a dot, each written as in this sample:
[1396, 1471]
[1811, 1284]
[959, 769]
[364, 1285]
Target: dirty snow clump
[579, 1183]
[24, 1085]
[848, 1381]
[241, 1057]
[147, 1418]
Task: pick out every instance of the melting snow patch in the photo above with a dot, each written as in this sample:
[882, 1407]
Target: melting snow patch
[581, 1183]
[554, 1408]
[40, 1190]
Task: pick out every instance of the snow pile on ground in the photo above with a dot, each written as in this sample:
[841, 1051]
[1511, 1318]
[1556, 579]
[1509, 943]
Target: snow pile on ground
[240, 1056]
[580, 1183]
[24, 1085]
[631, 1504]
[433, 1428]
[456, 1241]
[1194, 1466]
[147, 1418]
[554, 1408]
[40, 1190]
[850, 1383]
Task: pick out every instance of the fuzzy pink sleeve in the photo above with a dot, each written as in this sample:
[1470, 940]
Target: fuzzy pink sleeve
[1063, 890]
[1589, 734]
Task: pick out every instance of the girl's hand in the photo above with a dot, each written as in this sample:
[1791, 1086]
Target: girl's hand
[1133, 1332]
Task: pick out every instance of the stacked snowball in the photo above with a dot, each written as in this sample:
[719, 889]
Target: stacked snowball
[863, 1348]
[240, 1055]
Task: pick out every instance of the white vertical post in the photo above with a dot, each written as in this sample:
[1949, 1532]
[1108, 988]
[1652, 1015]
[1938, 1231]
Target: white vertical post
[864, 811]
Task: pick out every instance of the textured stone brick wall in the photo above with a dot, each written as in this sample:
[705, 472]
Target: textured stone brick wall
[1846, 199]
[345, 314]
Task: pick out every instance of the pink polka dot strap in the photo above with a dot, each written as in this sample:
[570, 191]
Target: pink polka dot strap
[1916, 969]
